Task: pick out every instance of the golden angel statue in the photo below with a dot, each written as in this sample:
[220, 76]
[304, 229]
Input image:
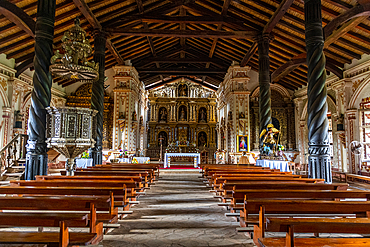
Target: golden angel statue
[268, 139]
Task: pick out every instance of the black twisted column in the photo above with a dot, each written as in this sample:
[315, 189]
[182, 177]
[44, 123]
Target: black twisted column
[318, 126]
[37, 158]
[264, 82]
[97, 96]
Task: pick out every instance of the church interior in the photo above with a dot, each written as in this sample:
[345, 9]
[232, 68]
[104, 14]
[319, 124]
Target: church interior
[185, 122]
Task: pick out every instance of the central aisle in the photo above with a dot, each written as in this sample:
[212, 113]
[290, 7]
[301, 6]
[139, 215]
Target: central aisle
[177, 211]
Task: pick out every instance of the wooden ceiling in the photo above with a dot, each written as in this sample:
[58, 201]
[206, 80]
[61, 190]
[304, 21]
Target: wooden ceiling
[198, 39]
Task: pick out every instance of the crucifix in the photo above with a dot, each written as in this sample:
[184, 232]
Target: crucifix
[160, 154]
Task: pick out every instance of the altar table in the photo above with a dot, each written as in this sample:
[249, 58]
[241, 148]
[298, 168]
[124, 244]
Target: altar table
[274, 164]
[195, 155]
[83, 163]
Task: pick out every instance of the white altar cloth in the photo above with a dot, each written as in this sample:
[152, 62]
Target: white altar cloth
[195, 155]
[124, 160]
[83, 163]
[274, 164]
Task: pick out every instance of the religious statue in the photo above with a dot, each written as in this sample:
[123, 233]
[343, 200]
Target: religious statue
[134, 116]
[202, 141]
[182, 90]
[163, 115]
[202, 115]
[241, 115]
[182, 115]
[268, 139]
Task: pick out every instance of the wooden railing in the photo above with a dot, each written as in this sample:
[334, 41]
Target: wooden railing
[13, 152]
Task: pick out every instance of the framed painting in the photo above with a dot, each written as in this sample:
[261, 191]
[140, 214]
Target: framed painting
[243, 143]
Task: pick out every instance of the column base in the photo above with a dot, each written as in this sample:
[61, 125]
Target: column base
[96, 155]
[36, 164]
[319, 166]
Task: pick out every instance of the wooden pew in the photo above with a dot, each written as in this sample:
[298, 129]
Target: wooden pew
[298, 207]
[43, 215]
[130, 186]
[316, 225]
[119, 194]
[150, 171]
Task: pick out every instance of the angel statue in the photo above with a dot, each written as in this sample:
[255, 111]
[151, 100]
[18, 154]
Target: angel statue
[268, 139]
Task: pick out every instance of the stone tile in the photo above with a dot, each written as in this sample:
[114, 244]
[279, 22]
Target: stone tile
[178, 211]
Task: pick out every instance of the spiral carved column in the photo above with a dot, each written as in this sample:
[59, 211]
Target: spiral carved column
[317, 122]
[37, 158]
[264, 82]
[97, 96]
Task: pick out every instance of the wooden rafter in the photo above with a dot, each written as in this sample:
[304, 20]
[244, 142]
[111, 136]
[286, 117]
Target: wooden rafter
[90, 17]
[183, 33]
[18, 17]
[278, 14]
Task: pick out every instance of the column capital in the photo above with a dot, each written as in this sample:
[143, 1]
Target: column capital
[264, 37]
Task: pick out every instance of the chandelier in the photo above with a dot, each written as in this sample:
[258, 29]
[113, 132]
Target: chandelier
[73, 64]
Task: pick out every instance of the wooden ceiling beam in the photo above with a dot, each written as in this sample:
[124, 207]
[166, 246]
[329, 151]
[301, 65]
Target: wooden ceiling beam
[356, 11]
[278, 14]
[93, 21]
[181, 71]
[182, 33]
[345, 28]
[18, 17]
[20, 68]
[288, 67]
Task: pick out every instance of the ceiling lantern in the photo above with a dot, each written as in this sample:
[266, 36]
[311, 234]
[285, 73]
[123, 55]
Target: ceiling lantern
[73, 64]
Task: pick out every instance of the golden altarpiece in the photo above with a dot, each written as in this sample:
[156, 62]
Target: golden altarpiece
[182, 115]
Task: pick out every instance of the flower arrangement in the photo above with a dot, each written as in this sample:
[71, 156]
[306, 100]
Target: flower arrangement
[134, 161]
[280, 147]
[85, 155]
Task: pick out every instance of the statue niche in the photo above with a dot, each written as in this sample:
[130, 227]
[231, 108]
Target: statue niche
[162, 136]
[162, 116]
[202, 139]
[202, 117]
[182, 113]
[183, 90]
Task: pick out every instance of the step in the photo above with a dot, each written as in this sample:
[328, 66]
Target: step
[17, 167]
[16, 174]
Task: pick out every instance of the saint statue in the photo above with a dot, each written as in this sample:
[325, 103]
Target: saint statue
[268, 139]
[163, 115]
[182, 115]
[202, 114]
[202, 140]
[182, 90]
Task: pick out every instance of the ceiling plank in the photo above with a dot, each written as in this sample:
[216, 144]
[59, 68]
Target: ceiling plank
[181, 71]
[18, 17]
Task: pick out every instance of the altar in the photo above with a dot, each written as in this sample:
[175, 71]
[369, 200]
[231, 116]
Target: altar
[274, 164]
[166, 162]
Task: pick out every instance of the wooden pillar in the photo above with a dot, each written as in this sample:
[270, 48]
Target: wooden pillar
[37, 158]
[264, 82]
[317, 121]
[97, 96]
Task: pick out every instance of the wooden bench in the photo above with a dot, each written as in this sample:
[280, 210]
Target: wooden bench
[357, 178]
[339, 175]
[150, 171]
[297, 207]
[130, 186]
[314, 225]
[43, 215]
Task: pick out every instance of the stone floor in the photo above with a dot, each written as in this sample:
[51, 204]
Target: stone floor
[177, 211]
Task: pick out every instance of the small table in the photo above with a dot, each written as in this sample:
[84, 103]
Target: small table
[274, 164]
[83, 163]
[195, 155]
